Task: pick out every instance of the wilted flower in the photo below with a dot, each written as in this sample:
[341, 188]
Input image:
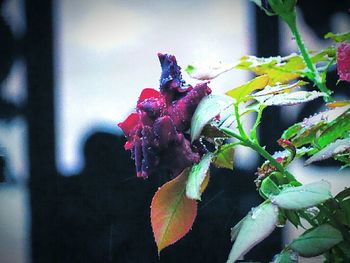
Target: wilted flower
[156, 132]
[343, 61]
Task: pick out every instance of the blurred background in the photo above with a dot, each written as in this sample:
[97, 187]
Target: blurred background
[70, 70]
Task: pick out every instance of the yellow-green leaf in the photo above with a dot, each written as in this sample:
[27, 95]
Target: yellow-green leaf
[197, 176]
[224, 156]
[241, 92]
[338, 37]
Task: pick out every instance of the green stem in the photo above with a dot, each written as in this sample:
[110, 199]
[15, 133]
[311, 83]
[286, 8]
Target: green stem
[268, 156]
[315, 75]
[261, 150]
[253, 135]
[239, 123]
[233, 134]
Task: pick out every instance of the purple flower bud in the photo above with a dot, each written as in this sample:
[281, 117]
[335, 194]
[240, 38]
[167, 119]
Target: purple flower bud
[156, 132]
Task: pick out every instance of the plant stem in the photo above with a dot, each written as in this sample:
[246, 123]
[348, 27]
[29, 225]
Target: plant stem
[232, 134]
[268, 156]
[315, 75]
[239, 123]
[261, 150]
[253, 135]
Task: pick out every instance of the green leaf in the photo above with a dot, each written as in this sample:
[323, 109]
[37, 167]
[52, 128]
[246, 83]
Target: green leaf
[307, 135]
[302, 196]
[335, 130]
[172, 213]
[342, 212]
[287, 256]
[291, 131]
[345, 212]
[224, 156]
[338, 37]
[287, 99]
[283, 69]
[278, 177]
[207, 72]
[309, 129]
[196, 177]
[337, 147]
[212, 131]
[345, 248]
[235, 230]
[190, 69]
[268, 187]
[345, 194]
[279, 69]
[256, 226]
[208, 108]
[327, 116]
[279, 88]
[317, 241]
[293, 217]
[242, 91]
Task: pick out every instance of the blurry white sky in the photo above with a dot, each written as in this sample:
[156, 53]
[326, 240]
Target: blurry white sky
[107, 55]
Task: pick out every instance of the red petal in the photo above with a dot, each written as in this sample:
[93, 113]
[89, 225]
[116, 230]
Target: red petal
[128, 145]
[343, 61]
[149, 93]
[130, 123]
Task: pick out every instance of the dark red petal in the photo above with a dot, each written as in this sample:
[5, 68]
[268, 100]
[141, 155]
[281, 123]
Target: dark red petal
[182, 110]
[179, 156]
[149, 93]
[165, 130]
[130, 123]
[149, 152]
[137, 154]
[154, 107]
[128, 145]
[343, 61]
[171, 82]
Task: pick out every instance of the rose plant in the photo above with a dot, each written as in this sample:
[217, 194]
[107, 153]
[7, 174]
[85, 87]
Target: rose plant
[183, 130]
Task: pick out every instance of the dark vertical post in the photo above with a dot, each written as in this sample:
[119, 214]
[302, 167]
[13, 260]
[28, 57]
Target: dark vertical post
[266, 45]
[41, 127]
